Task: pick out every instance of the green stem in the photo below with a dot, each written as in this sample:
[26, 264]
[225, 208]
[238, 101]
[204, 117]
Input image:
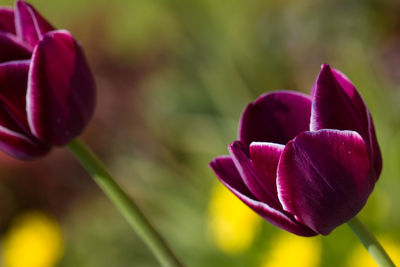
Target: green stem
[124, 204]
[370, 243]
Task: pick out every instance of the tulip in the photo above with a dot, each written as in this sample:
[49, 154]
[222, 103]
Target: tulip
[47, 92]
[305, 163]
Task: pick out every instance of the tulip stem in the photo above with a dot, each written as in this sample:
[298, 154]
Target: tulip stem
[369, 241]
[124, 204]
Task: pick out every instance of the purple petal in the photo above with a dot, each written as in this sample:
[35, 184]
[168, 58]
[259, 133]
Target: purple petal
[12, 49]
[13, 85]
[8, 121]
[324, 178]
[226, 171]
[338, 105]
[15, 138]
[30, 26]
[7, 20]
[61, 89]
[265, 157]
[376, 157]
[332, 108]
[255, 181]
[365, 116]
[275, 117]
[19, 145]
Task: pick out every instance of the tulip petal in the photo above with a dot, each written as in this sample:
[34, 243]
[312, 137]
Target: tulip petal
[7, 20]
[324, 178]
[19, 145]
[226, 171]
[275, 117]
[376, 157]
[332, 108]
[30, 26]
[265, 157]
[338, 105]
[15, 138]
[365, 116]
[13, 85]
[255, 181]
[11, 48]
[349, 89]
[61, 89]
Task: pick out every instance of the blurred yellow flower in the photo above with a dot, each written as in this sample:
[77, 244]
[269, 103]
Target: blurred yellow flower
[360, 256]
[34, 240]
[233, 225]
[289, 250]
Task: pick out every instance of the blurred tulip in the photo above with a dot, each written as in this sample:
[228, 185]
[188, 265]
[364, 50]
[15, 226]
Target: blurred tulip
[47, 92]
[307, 164]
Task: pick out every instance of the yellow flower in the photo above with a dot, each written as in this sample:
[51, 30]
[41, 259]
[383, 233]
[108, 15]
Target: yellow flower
[360, 256]
[233, 225]
[34, 240]
[289, 250]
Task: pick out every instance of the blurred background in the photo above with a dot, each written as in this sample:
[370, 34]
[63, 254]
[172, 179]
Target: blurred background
[173, 77]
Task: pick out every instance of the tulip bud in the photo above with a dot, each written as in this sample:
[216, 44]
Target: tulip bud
[47, 91]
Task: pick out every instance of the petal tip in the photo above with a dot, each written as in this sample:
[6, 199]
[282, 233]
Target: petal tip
[324, 65]
[325, 70]
[20, 5]
[20, 2]
[213, 163]
[30, 26]
[235, 146]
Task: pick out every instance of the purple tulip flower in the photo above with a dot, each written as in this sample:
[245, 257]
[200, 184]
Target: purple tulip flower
[47, 92]
[306, 164]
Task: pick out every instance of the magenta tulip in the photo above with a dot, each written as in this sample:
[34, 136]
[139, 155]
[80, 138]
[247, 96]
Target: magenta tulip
[305, 163]
[47, 92]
